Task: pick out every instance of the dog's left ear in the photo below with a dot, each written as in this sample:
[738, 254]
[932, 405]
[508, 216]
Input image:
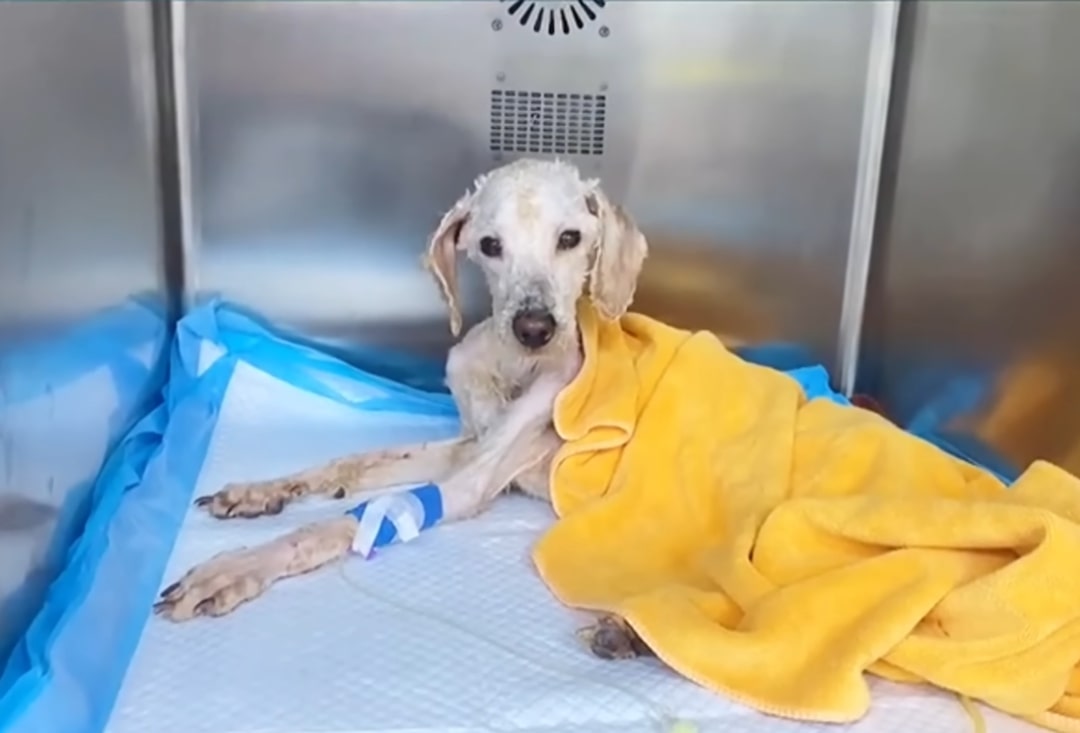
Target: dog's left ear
[620, 252]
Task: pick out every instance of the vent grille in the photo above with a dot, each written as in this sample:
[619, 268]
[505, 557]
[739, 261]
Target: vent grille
[558, 123]
[554, 18]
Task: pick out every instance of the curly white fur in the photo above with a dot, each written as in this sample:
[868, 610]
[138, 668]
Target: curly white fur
[504, 391]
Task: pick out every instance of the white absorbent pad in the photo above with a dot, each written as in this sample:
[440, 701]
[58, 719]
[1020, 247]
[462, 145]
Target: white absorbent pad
[453, 631]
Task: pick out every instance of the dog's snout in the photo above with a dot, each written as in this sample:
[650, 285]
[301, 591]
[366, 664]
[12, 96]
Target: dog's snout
[533, 328]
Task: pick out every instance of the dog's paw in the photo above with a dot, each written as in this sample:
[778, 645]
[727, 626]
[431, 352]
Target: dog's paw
[216, 587]
[249, 500]
[612, 638]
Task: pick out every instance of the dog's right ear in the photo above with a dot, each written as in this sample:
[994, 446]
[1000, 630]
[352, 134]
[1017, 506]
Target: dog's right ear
[441, 257]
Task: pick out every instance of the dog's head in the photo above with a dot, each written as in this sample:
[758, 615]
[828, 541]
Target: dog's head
[542, 237]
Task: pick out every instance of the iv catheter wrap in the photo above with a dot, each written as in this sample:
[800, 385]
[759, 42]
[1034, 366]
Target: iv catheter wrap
[397, 517]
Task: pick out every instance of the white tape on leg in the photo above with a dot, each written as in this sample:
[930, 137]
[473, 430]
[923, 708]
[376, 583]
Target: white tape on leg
[403, 511]
[407, 516]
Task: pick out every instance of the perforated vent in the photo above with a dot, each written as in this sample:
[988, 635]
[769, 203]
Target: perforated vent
[558, 123]
[554, 18]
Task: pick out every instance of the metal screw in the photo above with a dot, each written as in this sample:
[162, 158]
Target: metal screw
[604, 31]
[500, 77]
[603, 87]
[496, 25]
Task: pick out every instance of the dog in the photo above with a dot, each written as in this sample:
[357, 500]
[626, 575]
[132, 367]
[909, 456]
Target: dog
[543, 237]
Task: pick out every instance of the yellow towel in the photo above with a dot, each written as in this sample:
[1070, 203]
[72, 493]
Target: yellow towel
[774, 549]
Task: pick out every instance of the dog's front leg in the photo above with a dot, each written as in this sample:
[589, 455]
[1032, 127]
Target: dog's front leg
[355, 474]
[521, 440]
[225, 581]
[463, 460]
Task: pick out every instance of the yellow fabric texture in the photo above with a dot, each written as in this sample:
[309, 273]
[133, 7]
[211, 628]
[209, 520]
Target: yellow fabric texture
[774, 549]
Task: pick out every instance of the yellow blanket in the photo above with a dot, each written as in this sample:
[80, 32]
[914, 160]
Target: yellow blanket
[774, 549]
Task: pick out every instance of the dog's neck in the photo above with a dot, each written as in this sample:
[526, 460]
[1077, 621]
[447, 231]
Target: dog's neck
[563, 357]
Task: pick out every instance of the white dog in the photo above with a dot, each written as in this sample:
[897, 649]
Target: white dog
[543, 236]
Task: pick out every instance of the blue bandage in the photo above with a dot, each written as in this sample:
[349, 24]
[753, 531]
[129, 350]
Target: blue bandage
[397, 517]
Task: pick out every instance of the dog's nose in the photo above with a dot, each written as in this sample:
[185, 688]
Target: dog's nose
[533, 328]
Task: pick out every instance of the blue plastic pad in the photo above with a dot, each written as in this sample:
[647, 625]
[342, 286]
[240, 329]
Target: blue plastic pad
[70, 666]
[66, 671]
[67, 398]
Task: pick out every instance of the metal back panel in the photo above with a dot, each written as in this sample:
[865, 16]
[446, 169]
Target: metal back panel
[327, 139]
[78, 188]
[974, 325]
[79, 234]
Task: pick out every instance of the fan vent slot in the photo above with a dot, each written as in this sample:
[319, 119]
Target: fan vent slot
[553, 123]
[562, 17]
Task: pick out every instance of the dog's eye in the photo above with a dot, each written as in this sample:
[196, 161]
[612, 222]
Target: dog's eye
[569, 239]
[490, 246]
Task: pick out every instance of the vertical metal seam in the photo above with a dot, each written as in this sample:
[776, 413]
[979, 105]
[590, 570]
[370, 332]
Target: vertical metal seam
[170, 236]
[184, 141]
[879, 75]
[173, 148]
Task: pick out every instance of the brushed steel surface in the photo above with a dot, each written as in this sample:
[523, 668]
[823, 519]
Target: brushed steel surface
[879, 77]
[327, 139]
[975, 299]
[79, 234]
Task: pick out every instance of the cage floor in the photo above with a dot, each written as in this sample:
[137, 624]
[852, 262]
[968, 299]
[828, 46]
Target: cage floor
[451, 632]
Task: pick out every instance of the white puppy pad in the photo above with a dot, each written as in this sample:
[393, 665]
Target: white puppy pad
[453, 631]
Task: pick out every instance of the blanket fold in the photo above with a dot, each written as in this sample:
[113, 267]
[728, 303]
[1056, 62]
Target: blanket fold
[776, 549]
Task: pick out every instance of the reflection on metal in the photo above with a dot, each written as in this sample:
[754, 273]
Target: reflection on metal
[18, 513]
[871, 148]
[78, 215]
[973, 332]
[79, 236]
[327, 138]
